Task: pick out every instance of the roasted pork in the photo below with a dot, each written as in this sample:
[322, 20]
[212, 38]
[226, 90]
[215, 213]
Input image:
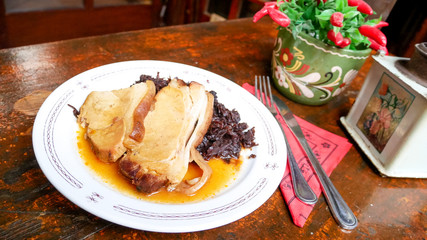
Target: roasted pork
[177, 121]
[115, 119]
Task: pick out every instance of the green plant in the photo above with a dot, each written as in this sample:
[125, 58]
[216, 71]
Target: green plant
[340, 23]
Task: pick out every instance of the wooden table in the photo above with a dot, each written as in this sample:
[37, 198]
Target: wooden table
[30, 207]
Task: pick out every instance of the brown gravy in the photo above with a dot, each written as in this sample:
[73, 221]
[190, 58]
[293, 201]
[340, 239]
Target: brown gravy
[223, 174]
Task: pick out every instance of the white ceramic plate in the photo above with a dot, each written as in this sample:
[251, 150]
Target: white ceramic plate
[55, 146]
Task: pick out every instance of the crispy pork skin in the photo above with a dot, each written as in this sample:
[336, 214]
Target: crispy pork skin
[114, 119]
[161, 159]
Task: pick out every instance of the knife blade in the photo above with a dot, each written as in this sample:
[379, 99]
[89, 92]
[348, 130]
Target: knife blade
[339, 208]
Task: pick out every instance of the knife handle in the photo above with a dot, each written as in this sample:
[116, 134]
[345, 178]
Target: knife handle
[339, 208]
[302, 190]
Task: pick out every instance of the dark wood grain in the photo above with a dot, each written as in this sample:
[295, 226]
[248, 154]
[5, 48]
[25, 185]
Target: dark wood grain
[30, 207]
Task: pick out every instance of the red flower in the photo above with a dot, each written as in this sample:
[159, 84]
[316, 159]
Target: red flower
[286, 56]
[383, 89]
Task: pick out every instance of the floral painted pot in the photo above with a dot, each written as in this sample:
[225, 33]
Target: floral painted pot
[310, 72]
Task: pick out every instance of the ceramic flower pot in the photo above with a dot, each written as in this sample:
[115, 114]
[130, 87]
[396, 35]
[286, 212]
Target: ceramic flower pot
[311, 72]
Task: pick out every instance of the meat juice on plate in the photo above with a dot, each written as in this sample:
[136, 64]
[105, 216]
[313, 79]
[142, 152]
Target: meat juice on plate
[223, 174]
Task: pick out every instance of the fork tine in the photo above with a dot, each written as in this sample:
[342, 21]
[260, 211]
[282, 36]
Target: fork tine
[259, 89]
[256, 88]
[263, 94]
[265, 91]
[270, 95]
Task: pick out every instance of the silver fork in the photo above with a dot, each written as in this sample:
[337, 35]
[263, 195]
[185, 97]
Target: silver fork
[301, 188]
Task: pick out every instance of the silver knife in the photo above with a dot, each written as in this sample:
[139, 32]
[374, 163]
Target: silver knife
[340, 210]
[302, 190]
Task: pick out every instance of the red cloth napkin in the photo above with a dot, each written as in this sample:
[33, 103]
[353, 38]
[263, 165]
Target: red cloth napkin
[329, 149]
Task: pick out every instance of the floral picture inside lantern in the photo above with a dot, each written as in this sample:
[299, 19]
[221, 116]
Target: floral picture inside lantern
[385, 110]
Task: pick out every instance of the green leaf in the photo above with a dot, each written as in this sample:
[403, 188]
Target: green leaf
[372, 22]
[329, 4]
[336, 29]
[309, 12]
[323, 24]
[348, 9]
[339, 5]
[351, 30]
[316, 11]
[299, 28]
[325, 15]
[295, 33]
[357, 37]
[308, 26]
[351, 14]
[352, 23]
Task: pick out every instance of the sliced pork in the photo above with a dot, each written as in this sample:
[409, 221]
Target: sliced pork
[175, 125]
[115, 119]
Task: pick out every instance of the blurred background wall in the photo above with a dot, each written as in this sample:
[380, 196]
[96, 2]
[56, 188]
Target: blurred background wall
[24, 22]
